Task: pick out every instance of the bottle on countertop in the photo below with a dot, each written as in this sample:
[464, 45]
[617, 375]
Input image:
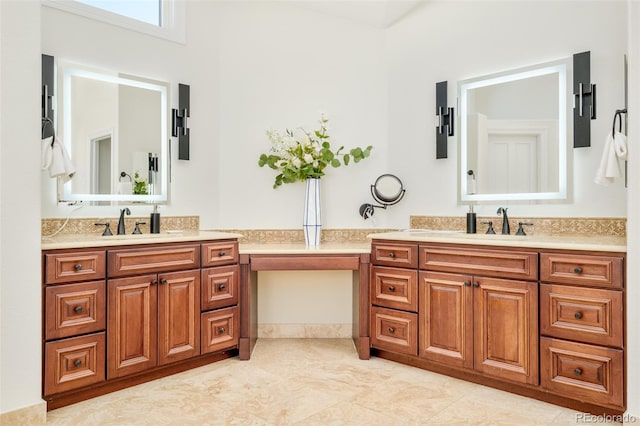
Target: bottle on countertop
[155, 221]
[471, 220]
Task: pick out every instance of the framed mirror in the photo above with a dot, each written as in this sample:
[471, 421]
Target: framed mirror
[115, 129]
[513, 135]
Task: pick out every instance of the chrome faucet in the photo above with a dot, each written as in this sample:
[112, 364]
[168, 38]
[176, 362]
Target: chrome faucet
[505, 221]
[121, 230]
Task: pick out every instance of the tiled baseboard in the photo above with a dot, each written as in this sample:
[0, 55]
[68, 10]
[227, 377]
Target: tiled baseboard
[305, 331]
[33, 415]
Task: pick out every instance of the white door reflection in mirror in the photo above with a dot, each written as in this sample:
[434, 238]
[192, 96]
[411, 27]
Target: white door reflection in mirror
[513, 135]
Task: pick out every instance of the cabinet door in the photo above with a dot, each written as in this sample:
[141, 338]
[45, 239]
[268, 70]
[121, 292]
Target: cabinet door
[446, 318]
[131, 325]
[506, 329]
[178, 316]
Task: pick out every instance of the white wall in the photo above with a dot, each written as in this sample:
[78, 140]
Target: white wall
[20, 289]
[633, 221]
[459, 40]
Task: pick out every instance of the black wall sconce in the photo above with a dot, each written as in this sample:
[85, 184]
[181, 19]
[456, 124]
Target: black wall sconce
[47, 96]
[444, 118]
[584, 103]
[387, 191]
[179, 116]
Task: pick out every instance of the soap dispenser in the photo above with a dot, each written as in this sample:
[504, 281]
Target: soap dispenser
[471, 220]
[154, 223]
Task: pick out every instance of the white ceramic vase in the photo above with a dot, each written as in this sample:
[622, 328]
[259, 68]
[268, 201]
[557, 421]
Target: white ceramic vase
[312, 220]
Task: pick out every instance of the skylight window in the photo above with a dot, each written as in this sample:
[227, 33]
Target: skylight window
[148, 11]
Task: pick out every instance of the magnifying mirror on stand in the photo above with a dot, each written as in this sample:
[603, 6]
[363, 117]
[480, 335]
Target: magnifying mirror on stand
[387, 191]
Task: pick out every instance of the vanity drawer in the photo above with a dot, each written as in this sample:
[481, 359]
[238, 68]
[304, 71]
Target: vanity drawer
[219, 253]
[220, 329]
[493, 263]
[220, 287]
[74, 309]
[73, 363]
[577, 313]
[582, 269]
[396, 331]
[395, 288]
[74, 266]
[589, 373]
[399, 255]
[137, 261]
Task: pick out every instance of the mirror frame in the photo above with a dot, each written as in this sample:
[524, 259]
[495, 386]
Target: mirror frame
[560, 67]
[70, 70]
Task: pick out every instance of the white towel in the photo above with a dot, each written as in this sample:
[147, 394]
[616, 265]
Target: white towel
[54, 157]
[615, 149]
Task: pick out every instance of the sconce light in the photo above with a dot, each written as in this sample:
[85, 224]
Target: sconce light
[387, 191]
[584, 104]
[444, 119]
[179, 121]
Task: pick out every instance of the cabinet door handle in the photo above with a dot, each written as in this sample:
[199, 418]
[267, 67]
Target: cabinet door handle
[392, 288]
[467, 283]
[154, 282]
[221, 287]
[475, 284]
[391, 330]
[392, 255]
[77, 309]
[163, 281]
[223, 253]
[578, 371]
[577, 315]
[221, 330]
[78, 267]
[77, 363]
[577, 270]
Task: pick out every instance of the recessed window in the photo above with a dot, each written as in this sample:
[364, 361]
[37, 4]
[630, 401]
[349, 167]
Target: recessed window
[143, 10]
[160, 18]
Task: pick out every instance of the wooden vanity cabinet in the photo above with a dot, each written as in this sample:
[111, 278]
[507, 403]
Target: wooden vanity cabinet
[480, 322]
[122, 315]
[74, 319]
[220, 296]
[582, 326]
[394, 297]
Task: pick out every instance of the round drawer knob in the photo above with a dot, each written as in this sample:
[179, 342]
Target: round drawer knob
[221, 330]
[78, 266]
[392, 255]
[77, 363]
[475, 284]
[392, 288]
[392, 330]
[577, 315]
[221, 287]
[77, 309]
[163, 281]
[577, 270]
[578, 371]
[154, 282]
[467, 283]
[223, 253]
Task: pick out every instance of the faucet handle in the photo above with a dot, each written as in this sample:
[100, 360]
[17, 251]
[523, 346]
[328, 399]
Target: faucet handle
[107, 230]
[490, 229]
[520, 230]
[137, 228]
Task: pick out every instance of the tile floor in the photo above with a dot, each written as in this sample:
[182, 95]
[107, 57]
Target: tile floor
[310, 382]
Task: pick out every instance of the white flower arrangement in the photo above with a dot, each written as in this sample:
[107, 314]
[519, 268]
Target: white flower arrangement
[306, 155]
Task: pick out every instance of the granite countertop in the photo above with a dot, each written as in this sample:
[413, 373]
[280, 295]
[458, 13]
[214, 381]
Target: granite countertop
[346, 247]
[541, 241]
[97, 240]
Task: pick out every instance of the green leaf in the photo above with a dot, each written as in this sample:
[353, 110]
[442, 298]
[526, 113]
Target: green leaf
[346, 159]
[335, 162]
